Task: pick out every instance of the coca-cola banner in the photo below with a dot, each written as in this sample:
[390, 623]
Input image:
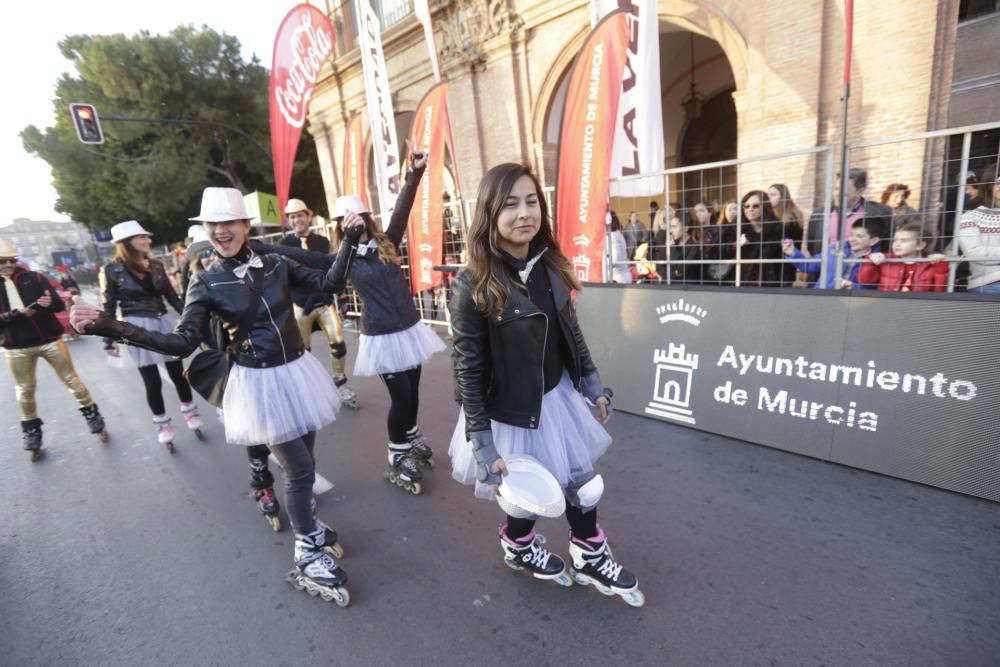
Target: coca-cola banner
[639, 127]
[430, 129]
[585, 145]
[380, 115]
[303, 44]
[355, 178]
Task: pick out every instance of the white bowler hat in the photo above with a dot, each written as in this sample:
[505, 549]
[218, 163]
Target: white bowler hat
[348, 204]
[7, 249]
[296, 206]
[221, 205]
[197, 233]
[126, 230]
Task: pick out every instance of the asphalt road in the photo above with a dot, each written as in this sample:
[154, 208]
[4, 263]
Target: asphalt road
[121, 554]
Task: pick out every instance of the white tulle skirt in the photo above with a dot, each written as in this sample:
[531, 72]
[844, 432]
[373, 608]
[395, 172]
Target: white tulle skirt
[395, 352]
[567, 442]
[131, 356]
[275, 405]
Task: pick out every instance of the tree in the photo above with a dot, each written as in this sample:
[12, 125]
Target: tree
[153, 172]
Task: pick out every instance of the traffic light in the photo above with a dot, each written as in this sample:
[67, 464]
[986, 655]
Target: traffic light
[88, 126]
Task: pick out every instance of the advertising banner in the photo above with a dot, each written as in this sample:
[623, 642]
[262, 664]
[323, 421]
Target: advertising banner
[303, 44]
[380, 114]
[426, 231]
[906, 387]
[586, 135]
[355, 172]
[638, 144]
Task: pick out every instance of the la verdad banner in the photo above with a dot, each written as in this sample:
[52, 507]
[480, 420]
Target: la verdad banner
[638, 145]
[355, 176]
[380, 114]
[585, 144]
[304, 42]
[429, 133]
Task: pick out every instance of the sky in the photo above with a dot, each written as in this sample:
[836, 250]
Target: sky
[34, 65]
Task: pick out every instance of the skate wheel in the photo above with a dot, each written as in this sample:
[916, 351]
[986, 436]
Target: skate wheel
[338, 595]
[415, 488]
[170, 447]
[103, 435]
[390, 476]
[335, 550]
[563, 579]
[293, 579]
[275, 522]
[578, 578]
[198, 434]
[35, 455]
[634, 598]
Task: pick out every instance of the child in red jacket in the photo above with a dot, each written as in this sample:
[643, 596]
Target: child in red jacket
[907, 276]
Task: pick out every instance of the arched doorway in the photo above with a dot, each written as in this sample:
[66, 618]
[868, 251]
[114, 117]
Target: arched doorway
[687, 141]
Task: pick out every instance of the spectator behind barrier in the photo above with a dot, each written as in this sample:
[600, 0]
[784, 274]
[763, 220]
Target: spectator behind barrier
[979, 236]
[658, 251]
[721, 245]
[866, 234]
[635, 233]
[857, 207]
[620, 272]
[761, 239]
[894, 196]
[793, 223]
[683, 247]
[908, 243]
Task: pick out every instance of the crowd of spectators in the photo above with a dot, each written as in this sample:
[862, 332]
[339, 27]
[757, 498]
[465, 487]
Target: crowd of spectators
[766, 240]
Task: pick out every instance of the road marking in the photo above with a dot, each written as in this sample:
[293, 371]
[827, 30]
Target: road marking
[320, 486]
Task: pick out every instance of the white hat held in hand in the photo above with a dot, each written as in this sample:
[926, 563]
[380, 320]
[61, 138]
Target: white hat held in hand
[126, 230]
[221, 205]
[348, 204]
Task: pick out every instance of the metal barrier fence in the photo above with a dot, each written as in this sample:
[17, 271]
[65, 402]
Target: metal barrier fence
[771, 220]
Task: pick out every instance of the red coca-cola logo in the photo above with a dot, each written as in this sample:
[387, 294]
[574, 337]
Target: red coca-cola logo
[309, 48]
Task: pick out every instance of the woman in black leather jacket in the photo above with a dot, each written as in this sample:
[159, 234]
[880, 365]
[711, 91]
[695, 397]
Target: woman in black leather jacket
[522, 370]
[277, 393]
[138, 285]
[394, 343]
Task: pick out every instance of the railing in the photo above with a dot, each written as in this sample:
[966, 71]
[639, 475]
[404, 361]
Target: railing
[734, 251]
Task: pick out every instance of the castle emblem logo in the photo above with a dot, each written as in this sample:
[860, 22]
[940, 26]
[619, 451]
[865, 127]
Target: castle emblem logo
[675, 367]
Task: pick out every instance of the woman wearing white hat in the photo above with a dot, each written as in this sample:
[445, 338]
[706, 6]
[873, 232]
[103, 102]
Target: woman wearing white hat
[394, 342]
[276, 393]
[138, 285]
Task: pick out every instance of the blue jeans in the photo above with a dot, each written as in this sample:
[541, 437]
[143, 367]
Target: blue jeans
[992, 288]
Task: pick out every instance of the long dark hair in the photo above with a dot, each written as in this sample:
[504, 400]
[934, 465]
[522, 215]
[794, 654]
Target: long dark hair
[126, 253]
[770, 226]
[386, 250]
[490, 287]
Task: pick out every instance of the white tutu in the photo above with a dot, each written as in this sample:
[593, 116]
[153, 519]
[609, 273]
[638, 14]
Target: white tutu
[567, 442]
[395, 352]
[132, 356]
[274, 405]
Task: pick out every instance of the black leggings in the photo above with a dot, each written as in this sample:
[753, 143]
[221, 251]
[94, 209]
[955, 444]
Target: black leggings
[404, 392]
[154, 386]
[583, 525]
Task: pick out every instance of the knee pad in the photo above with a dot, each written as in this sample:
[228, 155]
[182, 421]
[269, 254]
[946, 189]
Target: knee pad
[338, 350]
[586, 492]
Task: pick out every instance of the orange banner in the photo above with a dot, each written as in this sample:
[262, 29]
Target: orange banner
[355, 178]
[586, 141]
[426, 233]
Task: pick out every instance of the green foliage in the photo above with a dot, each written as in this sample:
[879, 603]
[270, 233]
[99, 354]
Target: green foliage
[155, 172]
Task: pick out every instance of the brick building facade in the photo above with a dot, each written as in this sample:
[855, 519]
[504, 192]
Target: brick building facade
[770, 73]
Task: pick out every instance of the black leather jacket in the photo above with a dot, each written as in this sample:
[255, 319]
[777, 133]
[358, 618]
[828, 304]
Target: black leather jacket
[274, 335]
[499, 360]
[120, 287]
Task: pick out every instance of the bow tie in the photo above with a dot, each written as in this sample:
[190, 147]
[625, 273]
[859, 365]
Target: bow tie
[254, 263]
[365, 248]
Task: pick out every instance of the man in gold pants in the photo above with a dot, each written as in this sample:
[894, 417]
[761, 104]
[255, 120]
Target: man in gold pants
[30, 332]
[317, 308]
